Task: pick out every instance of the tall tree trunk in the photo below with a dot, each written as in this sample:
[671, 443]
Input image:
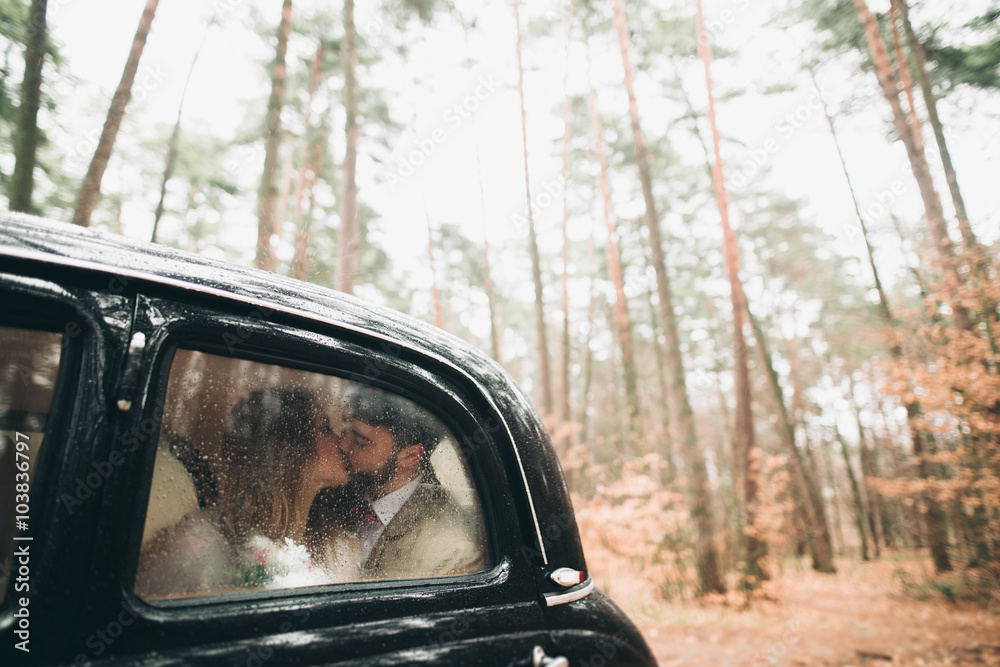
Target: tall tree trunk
[303, 232]
[284, 184]
[709, 579]
[860, 515]
[90, 191]
[734, 515]
[268, 226]
[438, 319]
[918, 164]
[794, 377]
[536, 269]
[754, 549]
[890, 323]
[737, 469]
[930, 101]
[891, 513]
[22, 182]
[883, 301]
[934, 517]
[168, 172]
[805, 487]
[876, 524]
[868, 472]
[809, 459]
[979, 262]
[564, 405]
[902, 67]
[622, 319]
[487, 278]
[588, 362]
[175, 135]
[669, 473]
[620, 412]
[300, 260]
[840, 545]
[349, 238]
[895, 345]
[914, 267]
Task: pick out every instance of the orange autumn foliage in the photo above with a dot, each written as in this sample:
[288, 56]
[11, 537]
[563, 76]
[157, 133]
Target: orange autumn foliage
[630, 521]
[954, 376]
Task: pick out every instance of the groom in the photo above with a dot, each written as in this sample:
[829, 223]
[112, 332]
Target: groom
[410, 526]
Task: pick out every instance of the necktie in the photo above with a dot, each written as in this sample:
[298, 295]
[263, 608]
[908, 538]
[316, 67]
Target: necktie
[364, 513]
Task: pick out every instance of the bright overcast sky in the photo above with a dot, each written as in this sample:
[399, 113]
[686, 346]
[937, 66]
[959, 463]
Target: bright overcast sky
[801, 160]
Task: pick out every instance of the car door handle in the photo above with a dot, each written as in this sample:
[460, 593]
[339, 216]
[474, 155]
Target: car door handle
[539, 659]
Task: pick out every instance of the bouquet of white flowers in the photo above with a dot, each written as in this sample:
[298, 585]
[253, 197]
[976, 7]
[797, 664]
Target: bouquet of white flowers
[270, 565]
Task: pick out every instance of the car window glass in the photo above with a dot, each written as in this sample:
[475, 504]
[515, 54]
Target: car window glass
[269, 477]
[29, 366]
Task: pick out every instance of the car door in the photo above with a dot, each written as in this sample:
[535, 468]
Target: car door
[63, 332]
[194, 360]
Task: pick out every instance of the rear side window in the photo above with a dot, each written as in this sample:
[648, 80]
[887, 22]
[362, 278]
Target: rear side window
[29, 366]
[267, 477]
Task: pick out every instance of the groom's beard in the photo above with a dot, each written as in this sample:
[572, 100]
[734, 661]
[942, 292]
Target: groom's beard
[371, 481]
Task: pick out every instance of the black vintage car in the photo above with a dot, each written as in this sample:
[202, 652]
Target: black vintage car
[160, 505]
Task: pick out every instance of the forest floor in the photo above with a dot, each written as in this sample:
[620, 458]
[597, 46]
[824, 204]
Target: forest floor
[882, 613]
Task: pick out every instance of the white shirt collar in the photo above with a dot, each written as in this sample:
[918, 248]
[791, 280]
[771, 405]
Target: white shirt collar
[389, 505]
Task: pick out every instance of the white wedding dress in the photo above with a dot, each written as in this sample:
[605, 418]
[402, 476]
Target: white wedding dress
[342, 558]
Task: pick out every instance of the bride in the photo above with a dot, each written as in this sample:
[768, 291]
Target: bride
[278, 453]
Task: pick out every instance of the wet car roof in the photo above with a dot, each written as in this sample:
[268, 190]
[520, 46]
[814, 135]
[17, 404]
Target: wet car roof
[71, 246]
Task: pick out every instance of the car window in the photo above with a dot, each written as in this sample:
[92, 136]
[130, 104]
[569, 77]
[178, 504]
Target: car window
[268, 477]
[29, 366]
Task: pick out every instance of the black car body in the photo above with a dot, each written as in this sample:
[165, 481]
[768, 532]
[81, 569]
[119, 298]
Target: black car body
[120, 310]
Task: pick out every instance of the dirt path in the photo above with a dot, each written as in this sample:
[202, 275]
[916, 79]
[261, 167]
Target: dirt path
[858, 617]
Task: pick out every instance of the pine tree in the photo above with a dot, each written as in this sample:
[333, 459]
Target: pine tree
[860, 514]
[307, 160]
[709, 579]
[175, 135]
[26, 142]
[268, 226]
[622, 320]
[564, 403]
[918, 164]
[349, 240]
[90, 191]
[545, 376]
[754, 548]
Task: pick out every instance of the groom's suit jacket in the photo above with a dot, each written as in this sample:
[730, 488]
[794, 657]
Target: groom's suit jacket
[430, 536]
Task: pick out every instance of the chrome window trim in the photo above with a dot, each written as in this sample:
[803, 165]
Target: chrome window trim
[59, 260]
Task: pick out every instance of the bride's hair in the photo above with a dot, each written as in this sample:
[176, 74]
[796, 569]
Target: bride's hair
[269, 439]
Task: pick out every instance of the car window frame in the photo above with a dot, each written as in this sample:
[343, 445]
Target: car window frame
[195, 324]
[478, 476]
[95, 320]
[46, 465]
